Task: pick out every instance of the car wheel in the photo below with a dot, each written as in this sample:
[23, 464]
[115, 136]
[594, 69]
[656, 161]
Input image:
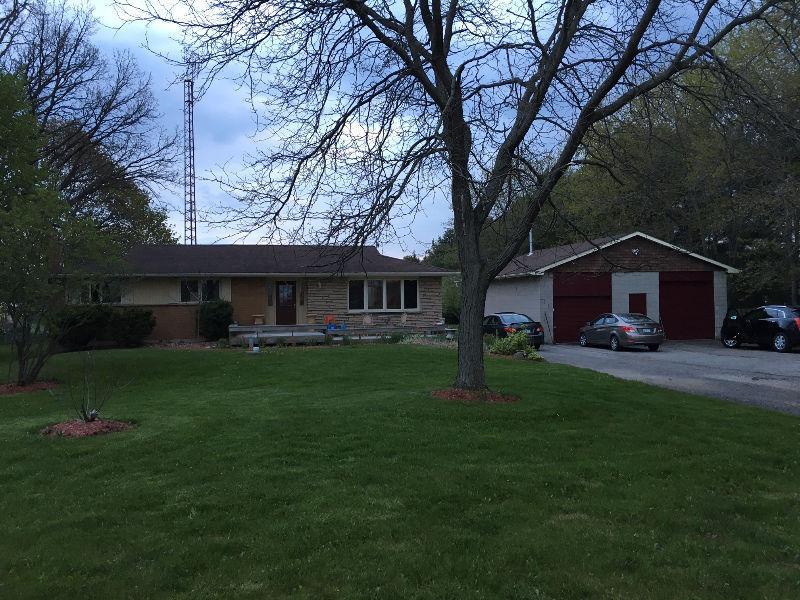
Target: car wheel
[780, 343]
[653, 347]
[582, 340]
[615, 343]
[731, 342]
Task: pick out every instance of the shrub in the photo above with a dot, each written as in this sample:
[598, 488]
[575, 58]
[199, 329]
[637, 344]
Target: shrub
[80, 327]
[128, 327]
[215, 317]
[77, 327]
[451, 301]
[517, 342]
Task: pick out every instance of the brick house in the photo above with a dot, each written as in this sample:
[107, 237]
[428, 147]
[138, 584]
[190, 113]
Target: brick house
[279, 285]
[566, 286]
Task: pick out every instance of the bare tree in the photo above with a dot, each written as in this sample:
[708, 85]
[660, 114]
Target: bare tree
[372, 107]
[13, 14]
[99, 116]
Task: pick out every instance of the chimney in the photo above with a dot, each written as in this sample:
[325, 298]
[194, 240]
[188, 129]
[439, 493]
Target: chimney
[530, 242]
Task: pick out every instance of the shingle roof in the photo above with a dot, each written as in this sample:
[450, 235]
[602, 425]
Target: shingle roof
[542, 260]
[528, 263]
[264, 259]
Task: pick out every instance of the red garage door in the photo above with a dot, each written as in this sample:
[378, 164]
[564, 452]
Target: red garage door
[686, 304]
[577, 298]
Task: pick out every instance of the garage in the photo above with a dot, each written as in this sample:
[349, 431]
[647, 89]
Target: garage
[576, 295]
[563, 287]
[687, 304]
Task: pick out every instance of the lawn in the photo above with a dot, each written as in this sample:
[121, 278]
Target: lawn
[332, 473]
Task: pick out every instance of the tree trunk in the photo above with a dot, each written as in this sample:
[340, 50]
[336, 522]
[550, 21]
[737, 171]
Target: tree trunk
[471, 375]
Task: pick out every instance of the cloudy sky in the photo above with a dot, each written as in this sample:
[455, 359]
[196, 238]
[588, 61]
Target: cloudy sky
[224, 125]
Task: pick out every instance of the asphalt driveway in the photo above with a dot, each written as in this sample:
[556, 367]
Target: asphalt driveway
[746, 375]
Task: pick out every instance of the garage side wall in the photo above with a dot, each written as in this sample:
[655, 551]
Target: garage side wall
[720, 300]
[625, 284]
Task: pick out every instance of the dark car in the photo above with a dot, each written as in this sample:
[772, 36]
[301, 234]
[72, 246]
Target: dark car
[622, 330]
[503, 324]
[775, 326]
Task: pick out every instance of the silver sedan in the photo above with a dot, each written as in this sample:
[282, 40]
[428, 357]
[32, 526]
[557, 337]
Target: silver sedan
[622, 330]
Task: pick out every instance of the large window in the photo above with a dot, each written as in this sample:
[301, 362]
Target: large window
[191, 290]
[383, 294]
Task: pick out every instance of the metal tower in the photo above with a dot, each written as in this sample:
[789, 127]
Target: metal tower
[189, 204]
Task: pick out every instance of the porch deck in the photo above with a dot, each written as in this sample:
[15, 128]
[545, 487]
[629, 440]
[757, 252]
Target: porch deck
[242, 335]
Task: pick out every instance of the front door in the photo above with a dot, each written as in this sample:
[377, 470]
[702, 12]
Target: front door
[286, 305]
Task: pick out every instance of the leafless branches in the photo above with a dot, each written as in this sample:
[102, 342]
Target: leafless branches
[370, 106]
[99, 116]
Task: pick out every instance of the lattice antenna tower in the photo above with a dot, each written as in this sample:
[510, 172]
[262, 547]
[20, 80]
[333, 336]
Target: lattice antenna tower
[189, 196]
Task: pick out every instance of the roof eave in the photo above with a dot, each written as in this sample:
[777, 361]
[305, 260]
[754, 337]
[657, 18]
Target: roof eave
[299, 274]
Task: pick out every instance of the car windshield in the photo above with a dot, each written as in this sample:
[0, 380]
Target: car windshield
[515, 318]
[636, 318]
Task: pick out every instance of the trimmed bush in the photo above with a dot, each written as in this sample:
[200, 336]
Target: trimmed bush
[81, 327]
[129, 327]
[215, 317]
[78, 327]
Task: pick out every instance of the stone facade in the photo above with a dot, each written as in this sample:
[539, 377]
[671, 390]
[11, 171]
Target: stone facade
[330, 297]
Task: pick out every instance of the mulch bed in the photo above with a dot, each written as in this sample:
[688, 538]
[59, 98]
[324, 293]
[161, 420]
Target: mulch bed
[6, 389]
[78, 428]
[484, 396]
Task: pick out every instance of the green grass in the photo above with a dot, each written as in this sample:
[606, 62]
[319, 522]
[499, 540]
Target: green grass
[332, 473]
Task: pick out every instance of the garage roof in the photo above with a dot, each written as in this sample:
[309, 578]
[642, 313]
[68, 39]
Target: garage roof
[541, 261]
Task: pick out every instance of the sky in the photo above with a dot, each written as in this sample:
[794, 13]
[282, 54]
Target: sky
[224, 128]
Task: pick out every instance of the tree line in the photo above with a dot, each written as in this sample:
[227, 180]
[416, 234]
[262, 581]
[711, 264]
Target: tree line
[81, 153]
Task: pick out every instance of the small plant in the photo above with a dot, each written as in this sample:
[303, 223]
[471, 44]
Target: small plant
[512, 344]
[533, 355]
[394, 338]
[346, 340]
[88, 395]
[488, 340]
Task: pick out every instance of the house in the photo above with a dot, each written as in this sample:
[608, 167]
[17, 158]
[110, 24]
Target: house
[279, 285]
[565, 286]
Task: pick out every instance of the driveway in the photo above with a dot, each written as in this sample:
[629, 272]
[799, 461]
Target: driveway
[750, 376]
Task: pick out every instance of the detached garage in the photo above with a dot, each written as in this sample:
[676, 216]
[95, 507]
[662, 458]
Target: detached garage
[565, 286]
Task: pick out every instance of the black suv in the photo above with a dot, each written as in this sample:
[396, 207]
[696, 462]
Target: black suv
[507, 323]
[775, 325]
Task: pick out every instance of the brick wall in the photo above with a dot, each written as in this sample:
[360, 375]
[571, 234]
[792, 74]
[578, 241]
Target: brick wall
[329, 297]
[249, 297]
[650, 257]
[174, 322]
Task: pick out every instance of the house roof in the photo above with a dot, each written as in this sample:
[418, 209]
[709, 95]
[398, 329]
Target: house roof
[541, 261]
[251, 260]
